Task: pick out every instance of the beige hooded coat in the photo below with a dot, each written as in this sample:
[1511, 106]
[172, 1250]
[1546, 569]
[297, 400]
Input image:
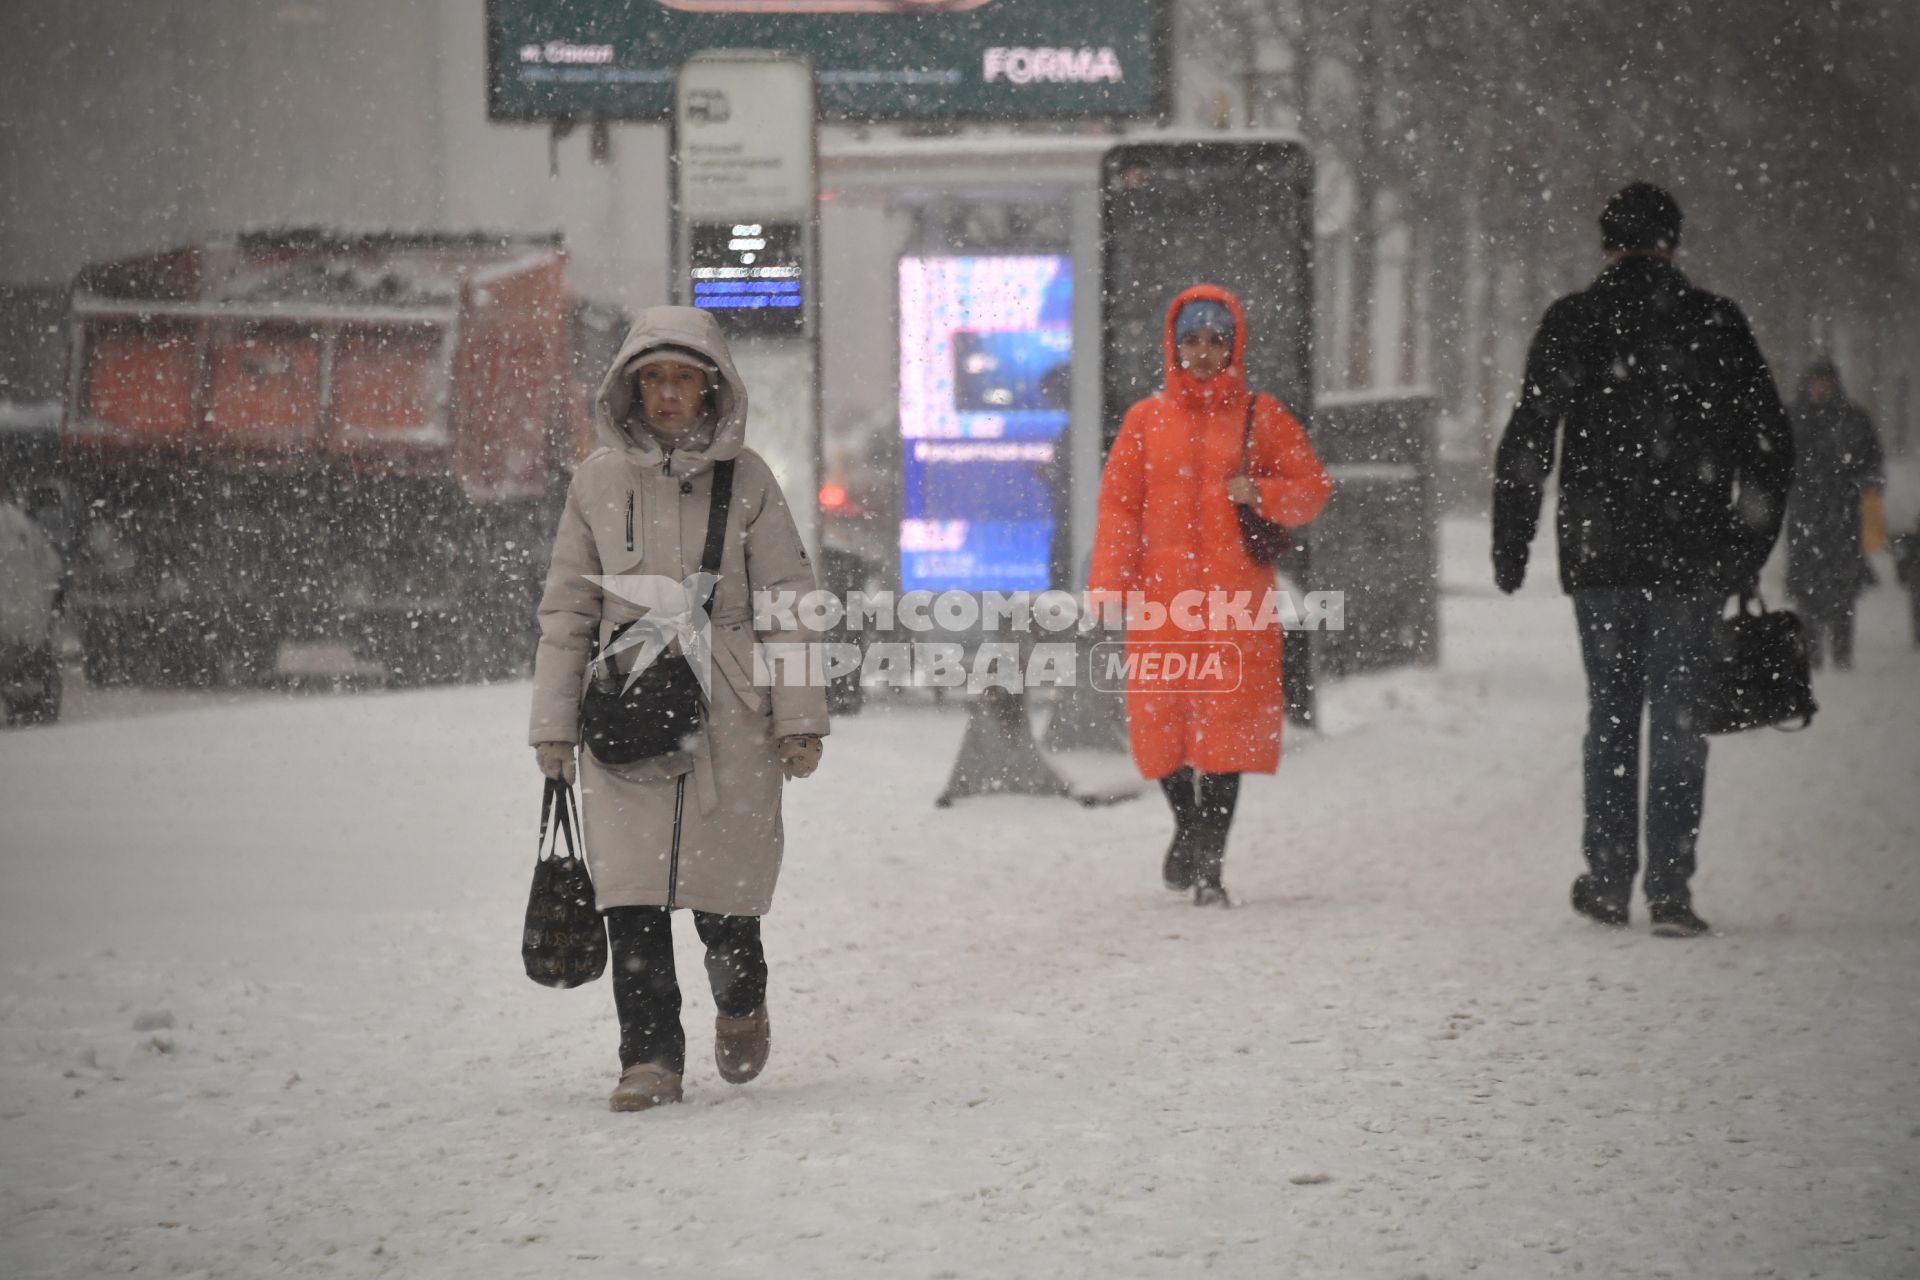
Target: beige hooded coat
[700, 830]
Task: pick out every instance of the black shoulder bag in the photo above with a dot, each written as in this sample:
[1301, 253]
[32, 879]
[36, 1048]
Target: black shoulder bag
[655, 715]
[1756, 672]
[565, 940]
[1266, 540]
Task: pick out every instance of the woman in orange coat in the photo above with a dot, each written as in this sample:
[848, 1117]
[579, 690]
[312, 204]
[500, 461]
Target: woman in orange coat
[1204, 698]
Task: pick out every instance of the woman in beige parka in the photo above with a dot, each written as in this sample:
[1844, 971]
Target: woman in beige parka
[700, 828]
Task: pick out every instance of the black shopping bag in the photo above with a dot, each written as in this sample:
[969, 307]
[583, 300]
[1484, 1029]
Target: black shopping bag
[565, 943]
[1757, 673]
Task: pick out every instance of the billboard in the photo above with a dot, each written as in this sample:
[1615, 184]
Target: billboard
[876, 59]
[986, 354]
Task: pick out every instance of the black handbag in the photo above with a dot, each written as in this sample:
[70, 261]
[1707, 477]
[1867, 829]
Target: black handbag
[654, 714]
[1266, 540]
[565, 940]
[1756, 673]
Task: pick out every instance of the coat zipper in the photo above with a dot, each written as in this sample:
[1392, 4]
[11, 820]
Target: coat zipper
[673, 865]
[629, 519]
[679, 784]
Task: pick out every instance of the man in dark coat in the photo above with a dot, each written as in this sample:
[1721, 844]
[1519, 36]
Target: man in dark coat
[1838, 459]
[1675, 460]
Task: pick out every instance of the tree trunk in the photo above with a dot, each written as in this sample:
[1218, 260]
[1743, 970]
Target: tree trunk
[1366, 190]
[1414, 319]
[1444, 243]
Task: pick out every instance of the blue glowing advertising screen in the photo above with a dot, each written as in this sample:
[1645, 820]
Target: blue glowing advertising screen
[986, 353]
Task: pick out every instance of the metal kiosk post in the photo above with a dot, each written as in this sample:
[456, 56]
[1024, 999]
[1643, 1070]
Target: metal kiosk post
[746, 203]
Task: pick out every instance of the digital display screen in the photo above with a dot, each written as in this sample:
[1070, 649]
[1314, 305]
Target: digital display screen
[752, 273]
[995, 372]
[986, 357]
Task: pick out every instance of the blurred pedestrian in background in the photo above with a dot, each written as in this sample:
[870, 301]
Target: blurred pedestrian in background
[1837, 480]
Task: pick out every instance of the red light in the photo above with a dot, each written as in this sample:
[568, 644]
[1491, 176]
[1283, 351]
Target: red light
[833, 495]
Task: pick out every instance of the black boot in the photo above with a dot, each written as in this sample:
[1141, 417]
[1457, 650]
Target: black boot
[1177, 868]
[1676, 919]
[1207, 889]
[1211, 895]
[1219, 793]
[1596, 903]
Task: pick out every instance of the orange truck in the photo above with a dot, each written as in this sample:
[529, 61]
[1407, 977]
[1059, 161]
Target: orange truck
[306, 434]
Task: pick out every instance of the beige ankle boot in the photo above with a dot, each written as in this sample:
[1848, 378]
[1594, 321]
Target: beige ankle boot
[644, 1086]
[740, 1045]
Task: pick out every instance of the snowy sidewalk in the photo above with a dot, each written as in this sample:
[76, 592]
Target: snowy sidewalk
[261, 1009]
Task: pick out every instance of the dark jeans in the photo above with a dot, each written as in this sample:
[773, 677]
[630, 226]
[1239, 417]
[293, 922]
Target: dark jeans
[1643, 649]
[1203, 806]
[646, 992]
[1829, 629]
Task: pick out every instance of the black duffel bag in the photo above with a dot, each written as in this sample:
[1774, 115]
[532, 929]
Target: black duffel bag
[1756, 673]
[626, 718]
[565, 940]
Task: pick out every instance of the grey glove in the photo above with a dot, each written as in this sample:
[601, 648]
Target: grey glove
[556, 760]
[800, 754]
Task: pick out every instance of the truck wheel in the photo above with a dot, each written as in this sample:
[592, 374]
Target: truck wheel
[492, 658]
[500, 632]
[248, 657]
[42, 704]
[100, 658]
[421, 648]
[179, 653]
[197, 651]
[500, 646]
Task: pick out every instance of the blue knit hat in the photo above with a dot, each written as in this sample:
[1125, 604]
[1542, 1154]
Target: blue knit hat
[1202, 313]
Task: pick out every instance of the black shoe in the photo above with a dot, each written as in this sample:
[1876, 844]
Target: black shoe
[1177, 870]
[1676, 920]
[1605, 908]
[1208, 854]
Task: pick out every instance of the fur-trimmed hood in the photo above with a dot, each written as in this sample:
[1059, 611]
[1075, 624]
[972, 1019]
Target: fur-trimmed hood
[695, 330]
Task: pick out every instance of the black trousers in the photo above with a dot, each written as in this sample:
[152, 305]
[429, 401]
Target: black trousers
[1203, 805]
[1829, 627]
[646, 991]
[1643, 651]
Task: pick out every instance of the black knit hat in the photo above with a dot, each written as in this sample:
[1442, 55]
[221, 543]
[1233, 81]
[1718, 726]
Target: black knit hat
[1640, 216]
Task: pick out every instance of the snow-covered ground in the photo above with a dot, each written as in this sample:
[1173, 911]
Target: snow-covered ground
[262, 1010]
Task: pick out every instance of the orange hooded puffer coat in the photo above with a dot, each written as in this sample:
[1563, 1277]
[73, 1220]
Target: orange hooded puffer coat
[1167, 527]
